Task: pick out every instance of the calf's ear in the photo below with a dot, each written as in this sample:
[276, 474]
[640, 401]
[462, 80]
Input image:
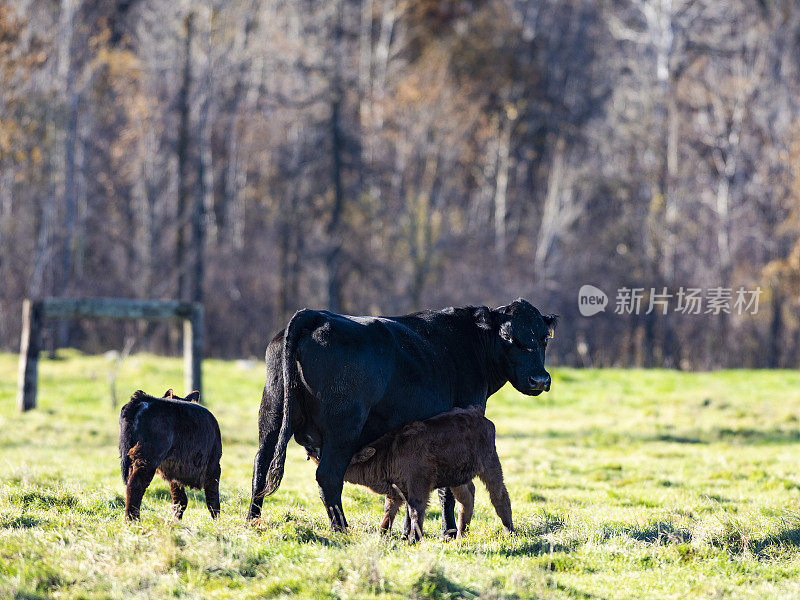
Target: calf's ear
[363, 455]
[168, 394]
[193, 397]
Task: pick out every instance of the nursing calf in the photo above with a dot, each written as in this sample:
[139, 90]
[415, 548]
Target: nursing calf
[445, 451]
[174, 437]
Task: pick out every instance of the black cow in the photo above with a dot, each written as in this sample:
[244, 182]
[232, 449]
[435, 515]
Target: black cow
[351, 380]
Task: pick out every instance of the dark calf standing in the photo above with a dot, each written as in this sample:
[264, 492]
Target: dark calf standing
[446, 451]
[174, 437]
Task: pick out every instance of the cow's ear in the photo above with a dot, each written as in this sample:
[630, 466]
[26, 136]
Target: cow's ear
[551, 321]
[193, 397]
[168, 394]
[505, 332]
[363, 455]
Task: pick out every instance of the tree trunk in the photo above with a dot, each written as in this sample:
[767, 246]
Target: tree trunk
[184, 190]
[203, 191]
[501, 187]
[775, 330]
[333, 254]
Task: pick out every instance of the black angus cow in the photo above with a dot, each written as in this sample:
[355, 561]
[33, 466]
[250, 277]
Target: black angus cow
[351, 380]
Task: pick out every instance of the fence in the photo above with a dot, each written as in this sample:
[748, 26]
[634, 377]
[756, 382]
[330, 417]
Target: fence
[34, 312]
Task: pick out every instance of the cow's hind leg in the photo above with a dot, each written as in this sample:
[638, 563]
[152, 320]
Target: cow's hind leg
[465, 504]
[260, 466]
[211, 489]
[179, 499]
[330, 477]
[269, 418]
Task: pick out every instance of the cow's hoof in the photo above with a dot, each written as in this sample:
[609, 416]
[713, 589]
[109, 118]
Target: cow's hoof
[449, 535]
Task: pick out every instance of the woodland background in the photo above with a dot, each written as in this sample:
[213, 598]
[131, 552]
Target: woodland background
[381, 156]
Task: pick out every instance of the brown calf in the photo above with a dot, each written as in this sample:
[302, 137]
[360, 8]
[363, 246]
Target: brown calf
[174, 437]
[448, 450]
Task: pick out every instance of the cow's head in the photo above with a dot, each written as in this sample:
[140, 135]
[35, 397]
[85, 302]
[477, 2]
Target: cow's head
[524, 333]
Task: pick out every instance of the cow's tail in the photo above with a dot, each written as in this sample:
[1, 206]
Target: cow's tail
[294, 331]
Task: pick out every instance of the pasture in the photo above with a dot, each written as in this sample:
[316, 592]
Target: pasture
[624, 484]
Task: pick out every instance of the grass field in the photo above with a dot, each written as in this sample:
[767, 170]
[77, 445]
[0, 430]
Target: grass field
[624, 484]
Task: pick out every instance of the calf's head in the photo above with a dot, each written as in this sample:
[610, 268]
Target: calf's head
[524, 333]
[193, 397]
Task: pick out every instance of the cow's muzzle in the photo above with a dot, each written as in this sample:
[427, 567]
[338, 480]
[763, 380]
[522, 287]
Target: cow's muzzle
[540, 383]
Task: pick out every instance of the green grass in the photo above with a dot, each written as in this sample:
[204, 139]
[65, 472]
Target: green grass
[624, 484]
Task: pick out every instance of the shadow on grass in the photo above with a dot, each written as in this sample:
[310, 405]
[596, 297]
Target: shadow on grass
[21, 522]
[773, 544]
[573, 592]
[732, 537]
[433, 583]
[601, 437]
[676, 439]
[25, 595]
[163, 493]
[538, 547]
[735, 540]
[661, 533]
[532, 540]
[743, 436]
[290, 528]
[45, 499]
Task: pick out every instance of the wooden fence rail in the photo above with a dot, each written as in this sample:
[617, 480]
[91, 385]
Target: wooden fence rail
[34, 312]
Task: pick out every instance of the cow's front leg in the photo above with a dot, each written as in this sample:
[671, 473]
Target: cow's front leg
[330, 477]
[448, 503]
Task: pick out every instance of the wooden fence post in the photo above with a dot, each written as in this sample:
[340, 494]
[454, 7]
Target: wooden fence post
[34, 312]
[193, 351]
[29, 344]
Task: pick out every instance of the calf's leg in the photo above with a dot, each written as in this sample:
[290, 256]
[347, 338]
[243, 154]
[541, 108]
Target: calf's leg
[140, 477]
[448, 516]
[492, 478]
[211, 489]
[465, 504]
[406, 525]
[418, 494]
[179, 499]
[416, 510]
[390, 508]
